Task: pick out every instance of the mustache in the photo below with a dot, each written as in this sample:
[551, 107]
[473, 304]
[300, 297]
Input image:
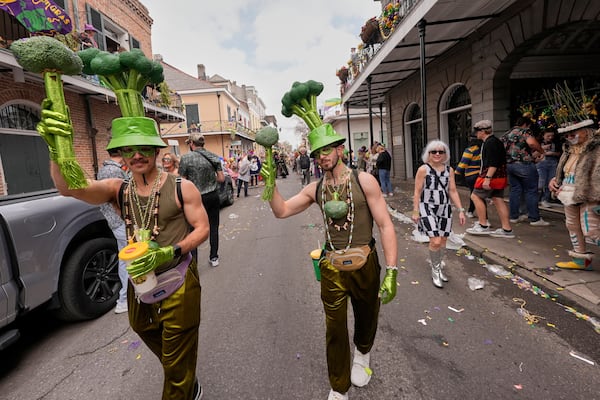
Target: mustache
[140, 161]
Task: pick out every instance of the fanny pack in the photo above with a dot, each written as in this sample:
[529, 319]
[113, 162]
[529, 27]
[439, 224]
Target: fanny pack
[349, 260]
[168, 282]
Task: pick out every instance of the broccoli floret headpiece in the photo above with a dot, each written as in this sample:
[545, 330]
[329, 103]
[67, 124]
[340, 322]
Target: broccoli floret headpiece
[43, 53]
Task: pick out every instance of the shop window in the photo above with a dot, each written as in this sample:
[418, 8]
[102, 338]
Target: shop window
[23, 153]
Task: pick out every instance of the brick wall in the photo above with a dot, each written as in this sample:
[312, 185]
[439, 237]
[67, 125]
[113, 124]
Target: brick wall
[130, 15]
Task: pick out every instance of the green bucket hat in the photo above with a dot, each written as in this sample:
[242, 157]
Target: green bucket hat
[323, 136]
[134, 131]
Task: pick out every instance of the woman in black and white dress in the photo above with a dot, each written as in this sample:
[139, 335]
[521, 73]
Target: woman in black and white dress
[435, 188]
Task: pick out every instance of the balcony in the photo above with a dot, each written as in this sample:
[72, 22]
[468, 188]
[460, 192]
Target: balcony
[385, 63]
[219, 127]
[86, 85]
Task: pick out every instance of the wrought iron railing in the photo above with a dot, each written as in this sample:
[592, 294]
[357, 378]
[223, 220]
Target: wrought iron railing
[221, 126]
[367, 50]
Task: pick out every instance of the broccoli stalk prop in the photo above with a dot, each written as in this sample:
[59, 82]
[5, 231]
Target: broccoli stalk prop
[268, 137]
[51, 58]
[302, 101]
[126, 74]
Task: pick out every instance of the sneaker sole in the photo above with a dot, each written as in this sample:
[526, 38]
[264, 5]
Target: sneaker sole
[479, 233]
[499, 235]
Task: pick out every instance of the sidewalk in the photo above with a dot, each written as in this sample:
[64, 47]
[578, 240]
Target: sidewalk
[532, 253]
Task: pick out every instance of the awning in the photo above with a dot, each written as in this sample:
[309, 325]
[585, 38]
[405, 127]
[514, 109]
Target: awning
[398, 58]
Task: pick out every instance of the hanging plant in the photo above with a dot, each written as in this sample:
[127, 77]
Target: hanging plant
[370, 33]
[342, 73]
[390, 18]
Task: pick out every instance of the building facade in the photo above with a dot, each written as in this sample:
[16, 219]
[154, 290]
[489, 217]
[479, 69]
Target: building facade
[23, 154]
[447, 65]
[227, 114]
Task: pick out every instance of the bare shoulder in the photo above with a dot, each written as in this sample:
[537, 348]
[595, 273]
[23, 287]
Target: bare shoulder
[367, 181]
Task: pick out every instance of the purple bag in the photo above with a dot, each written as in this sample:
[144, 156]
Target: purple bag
[168, 282]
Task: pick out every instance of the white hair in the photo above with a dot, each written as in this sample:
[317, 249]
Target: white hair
[436, 145]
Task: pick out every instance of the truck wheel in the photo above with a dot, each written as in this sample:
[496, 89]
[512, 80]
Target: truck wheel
[229, 199]
[89, 281]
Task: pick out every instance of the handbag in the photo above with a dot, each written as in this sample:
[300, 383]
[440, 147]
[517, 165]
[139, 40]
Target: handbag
[168, 282]
[349, 260]
[498, 181]
[565, 195]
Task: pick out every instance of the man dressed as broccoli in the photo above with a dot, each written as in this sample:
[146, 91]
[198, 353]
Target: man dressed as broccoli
[350, 202]
[158, 211]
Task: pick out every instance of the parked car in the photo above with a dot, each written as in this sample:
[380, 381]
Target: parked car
[55, 252]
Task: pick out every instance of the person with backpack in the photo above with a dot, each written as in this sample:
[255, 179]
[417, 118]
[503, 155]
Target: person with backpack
[522, 148]
[205, 170]
[304, 164]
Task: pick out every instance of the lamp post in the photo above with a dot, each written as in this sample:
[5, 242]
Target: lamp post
[220, 124]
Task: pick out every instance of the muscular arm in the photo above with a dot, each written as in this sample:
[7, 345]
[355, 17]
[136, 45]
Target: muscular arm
[381, 216]
[97, 192]
[196, 216]
[286, 208]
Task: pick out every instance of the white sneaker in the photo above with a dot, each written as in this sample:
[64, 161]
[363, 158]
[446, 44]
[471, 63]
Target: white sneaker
[361, 373]
[470, 215]
[545, 204]
[477, 229]
[539, 222]
[197, 391]
[522, 218]
[333, 395]
[501, 233]
[121, 308]
[390, 194]
[384, 195]
[214, 262]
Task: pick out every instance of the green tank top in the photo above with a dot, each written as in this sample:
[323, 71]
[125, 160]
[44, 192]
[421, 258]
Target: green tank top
[363, 220]
[171, 219]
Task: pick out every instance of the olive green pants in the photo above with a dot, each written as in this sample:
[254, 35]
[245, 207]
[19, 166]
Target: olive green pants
[170, 329]
[362, 286]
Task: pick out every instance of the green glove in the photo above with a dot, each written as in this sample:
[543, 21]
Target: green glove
[53, 124]
[149, 261]
[387, 292]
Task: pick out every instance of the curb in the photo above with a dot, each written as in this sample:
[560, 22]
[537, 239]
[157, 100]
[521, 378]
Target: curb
[566, 298]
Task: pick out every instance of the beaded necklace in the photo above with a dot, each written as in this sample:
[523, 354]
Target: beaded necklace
[140, 230]
[349, 216]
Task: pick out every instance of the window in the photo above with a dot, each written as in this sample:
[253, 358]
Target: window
[23, 153]
[455, 120]
[192, 115]
[414, 138]
[110, 36]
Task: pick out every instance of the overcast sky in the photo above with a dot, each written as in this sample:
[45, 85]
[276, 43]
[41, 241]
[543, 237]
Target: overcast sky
[267, 44]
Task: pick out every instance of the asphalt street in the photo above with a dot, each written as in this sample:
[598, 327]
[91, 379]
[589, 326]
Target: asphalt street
[262, 332]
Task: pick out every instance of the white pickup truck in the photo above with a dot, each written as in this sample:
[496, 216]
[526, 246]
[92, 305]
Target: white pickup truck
[55, 252]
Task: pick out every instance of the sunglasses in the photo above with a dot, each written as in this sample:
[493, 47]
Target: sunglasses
[437, 152]
[167, 159]
[130, 151]
[325, 151]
